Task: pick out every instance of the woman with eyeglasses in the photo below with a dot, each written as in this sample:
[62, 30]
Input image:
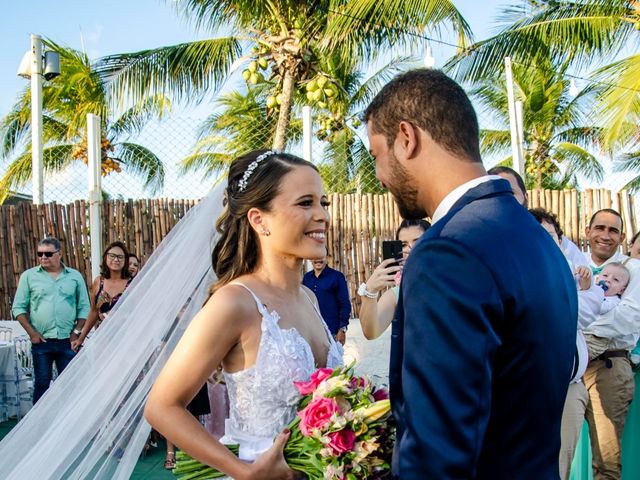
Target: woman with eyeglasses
[107, 288]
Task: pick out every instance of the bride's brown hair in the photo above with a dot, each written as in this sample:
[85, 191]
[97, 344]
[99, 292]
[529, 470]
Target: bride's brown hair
[236, 252]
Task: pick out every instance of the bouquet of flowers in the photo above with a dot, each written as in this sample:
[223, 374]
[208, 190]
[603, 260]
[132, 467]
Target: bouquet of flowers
[342, 431]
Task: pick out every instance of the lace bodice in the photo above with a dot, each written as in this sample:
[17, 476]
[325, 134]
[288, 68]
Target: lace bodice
[262, 398]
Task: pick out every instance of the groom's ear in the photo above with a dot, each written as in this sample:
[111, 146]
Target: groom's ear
[407, 141]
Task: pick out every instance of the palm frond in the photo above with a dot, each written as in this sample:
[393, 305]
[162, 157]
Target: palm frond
[133, 120]
[338, 169]
[14, 128]
[369, 89]
[494, 142]
[563, 31]
[207, 162]
[619, 101]
[19, 171]
[142, 162]
[586, 137]
[212, 15]
[577, 160]
[630, 162]
[365, 166]
[370, 24]
[186, 71]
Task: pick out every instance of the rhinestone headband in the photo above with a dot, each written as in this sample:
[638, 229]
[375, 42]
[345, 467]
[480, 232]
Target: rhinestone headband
[244, 181]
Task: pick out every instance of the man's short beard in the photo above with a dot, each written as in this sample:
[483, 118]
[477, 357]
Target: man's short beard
[402, 187]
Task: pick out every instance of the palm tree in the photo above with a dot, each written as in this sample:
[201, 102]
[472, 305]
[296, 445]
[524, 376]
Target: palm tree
[246, 122]
[67, 100]
[576, 32]
[243, 123]
[284, 40]
[347, 165]
[558, 142]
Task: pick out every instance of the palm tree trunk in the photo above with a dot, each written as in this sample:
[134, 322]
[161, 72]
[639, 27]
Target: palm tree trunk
[280, 139]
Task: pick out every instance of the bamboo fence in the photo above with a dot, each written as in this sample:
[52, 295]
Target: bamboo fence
[359, 224]
[141, 224]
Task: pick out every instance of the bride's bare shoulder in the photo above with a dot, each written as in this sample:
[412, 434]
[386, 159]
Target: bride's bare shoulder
[231, 301]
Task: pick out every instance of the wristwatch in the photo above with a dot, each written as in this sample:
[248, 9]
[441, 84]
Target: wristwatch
[76, 331]
[363, 292]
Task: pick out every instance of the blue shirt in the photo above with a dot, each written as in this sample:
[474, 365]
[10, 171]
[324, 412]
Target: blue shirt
[53, 304]
[331, 290]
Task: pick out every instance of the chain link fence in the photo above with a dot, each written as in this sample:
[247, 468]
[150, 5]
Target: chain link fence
[182, 157]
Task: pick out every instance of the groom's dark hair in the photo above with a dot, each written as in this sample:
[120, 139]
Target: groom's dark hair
[430, 100]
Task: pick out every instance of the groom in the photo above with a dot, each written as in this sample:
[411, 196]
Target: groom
[484, 333]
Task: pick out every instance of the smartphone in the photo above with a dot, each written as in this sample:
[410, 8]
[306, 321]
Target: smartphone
[392, 249]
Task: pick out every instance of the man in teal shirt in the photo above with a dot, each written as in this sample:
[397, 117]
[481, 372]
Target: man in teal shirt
[51, 304]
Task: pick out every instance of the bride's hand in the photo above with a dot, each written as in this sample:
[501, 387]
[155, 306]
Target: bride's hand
[383, 276]
[271, 465]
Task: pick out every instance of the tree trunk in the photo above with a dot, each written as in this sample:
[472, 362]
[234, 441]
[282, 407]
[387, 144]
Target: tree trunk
[280, 139]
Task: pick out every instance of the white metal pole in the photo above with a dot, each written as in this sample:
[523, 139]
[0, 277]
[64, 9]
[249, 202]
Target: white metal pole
[36, 120]
[520, 122]
[94, 152]
[307, 133]
[513, 122]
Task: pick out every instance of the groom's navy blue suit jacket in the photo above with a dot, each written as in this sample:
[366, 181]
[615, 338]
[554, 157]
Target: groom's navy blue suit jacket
[482, 345]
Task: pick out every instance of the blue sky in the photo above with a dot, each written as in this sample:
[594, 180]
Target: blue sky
[118, 26]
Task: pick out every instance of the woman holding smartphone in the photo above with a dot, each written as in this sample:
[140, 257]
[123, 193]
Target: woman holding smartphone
[376, 314]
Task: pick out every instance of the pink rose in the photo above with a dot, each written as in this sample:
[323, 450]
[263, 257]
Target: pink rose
[305, 388]
[317, 415]
[380, 394]
[342, 441]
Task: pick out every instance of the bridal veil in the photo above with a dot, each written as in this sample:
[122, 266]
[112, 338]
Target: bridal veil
[89, 423]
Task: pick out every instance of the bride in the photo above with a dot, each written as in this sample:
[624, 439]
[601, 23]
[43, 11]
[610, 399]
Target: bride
[89, 423]
[260, 323]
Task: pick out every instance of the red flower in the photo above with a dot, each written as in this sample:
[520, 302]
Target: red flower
[380, 394]
[316, 379]
[317, 415]
[342, 441]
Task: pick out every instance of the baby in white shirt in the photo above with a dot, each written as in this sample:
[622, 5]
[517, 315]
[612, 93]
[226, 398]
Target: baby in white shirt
[613, 280]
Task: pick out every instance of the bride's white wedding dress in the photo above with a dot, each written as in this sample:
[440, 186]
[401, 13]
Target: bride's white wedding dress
[263, 398]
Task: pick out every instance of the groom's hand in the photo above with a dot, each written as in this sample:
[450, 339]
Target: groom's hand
[271, 465]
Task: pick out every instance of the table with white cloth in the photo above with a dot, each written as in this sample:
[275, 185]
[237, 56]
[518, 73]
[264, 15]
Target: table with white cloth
[15, 387]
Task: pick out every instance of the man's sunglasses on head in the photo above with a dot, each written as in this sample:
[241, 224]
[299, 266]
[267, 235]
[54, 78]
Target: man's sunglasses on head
[46, 254]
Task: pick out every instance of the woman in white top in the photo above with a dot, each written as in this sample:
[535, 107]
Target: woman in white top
[260, 323]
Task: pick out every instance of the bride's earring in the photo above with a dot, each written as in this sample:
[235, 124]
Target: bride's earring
[265, 232]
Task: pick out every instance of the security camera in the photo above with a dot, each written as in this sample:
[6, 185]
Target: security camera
[25, 65]
[51, 65]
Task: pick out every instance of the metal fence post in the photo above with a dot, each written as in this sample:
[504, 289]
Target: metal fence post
[518, 163]
[307, 133]
[36, 120]
[94, 151]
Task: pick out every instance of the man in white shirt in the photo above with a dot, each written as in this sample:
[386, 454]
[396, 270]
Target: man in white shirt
[609, 378]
